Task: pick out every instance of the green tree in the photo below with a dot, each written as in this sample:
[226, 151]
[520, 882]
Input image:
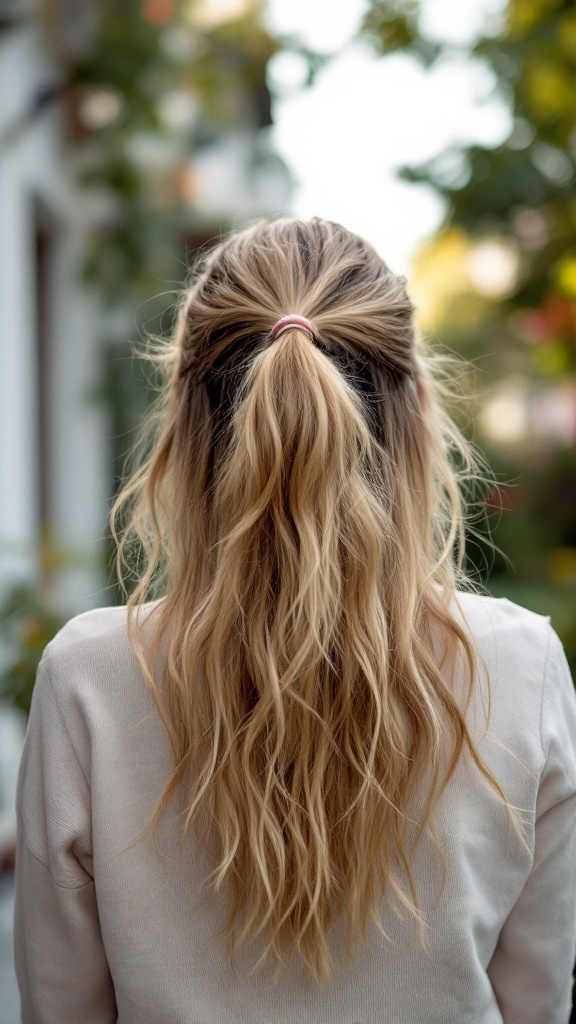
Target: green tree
[520, 196]
[152, 82]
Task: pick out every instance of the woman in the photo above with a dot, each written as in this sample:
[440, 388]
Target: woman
[315, 780]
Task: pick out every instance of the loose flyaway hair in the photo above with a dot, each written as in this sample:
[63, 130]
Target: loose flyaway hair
[298, 509]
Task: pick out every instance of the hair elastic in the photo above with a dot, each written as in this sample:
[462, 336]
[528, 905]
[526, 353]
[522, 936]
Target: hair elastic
[293, 321]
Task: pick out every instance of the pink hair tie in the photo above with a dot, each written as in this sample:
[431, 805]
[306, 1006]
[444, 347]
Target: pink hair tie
[293, 321]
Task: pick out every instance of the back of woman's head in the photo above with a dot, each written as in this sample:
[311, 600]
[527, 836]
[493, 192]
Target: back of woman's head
[301, 515]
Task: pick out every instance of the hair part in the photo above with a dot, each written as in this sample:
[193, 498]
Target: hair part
[301, 511]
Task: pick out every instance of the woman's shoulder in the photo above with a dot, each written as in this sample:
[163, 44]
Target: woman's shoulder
[88, 626]
[522, 652]
[104, 624]
[89, 669]
[81, 638]
[497, 621]
[92, 644]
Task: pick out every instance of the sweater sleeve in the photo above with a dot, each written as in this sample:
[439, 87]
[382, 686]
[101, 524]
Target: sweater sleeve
[60, 958]
[531, 969]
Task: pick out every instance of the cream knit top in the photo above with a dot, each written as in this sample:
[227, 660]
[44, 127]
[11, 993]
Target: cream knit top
[104, 933]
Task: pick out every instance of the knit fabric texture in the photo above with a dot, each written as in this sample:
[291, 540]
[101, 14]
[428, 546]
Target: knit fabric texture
[104, 933]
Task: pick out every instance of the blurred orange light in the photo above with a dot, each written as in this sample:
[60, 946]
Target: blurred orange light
[556, 316]
[158, 12]
[184, 184]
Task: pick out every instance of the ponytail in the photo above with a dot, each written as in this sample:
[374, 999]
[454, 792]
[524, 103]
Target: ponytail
[306, 531]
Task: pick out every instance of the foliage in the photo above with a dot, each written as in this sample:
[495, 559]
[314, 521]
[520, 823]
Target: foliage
[520, 196]
[28, 621]
[533, 64]
[150, 83]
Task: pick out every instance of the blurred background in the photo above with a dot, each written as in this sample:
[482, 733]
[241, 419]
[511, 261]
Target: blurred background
[132, 134]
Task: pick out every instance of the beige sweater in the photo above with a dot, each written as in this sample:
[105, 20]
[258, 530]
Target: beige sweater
[106, 934]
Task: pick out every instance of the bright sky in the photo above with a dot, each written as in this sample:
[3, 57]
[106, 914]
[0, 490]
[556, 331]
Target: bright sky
[345, 137]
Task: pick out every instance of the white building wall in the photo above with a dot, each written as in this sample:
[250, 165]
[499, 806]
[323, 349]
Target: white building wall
[18, 455]
[33, 169]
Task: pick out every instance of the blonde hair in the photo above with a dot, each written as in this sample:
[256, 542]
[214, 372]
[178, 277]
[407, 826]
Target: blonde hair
[300, 510]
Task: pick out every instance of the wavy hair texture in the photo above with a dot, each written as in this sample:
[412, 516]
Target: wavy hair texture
[299, 508]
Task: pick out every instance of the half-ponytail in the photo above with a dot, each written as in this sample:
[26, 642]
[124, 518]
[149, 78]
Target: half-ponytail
[300, 545]
[302, 508]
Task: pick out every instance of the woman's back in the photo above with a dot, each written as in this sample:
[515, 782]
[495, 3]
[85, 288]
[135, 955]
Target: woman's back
[107, 930]
[300, 722]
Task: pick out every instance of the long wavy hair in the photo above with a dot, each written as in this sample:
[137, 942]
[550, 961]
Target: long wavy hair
[299, 508]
